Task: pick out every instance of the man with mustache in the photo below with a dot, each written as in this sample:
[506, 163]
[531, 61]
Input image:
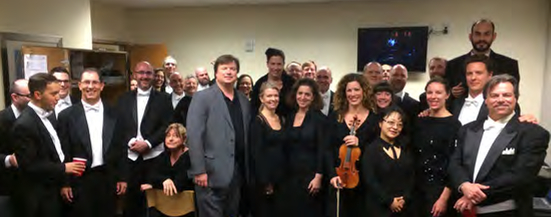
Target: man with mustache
[482, 35]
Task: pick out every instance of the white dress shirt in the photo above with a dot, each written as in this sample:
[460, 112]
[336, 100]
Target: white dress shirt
[43, 115]
[401, 94]
[471, 108]
[94, 119]
[142, 97]
[168, 88]
[326, 102]
[16, 113]
[491, 131]
[62, 104]
[176, 98]
[201, 87]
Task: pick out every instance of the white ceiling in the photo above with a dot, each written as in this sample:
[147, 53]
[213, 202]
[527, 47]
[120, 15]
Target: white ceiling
[172, 3]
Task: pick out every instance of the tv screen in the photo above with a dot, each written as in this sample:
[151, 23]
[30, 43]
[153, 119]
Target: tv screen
[394, 45]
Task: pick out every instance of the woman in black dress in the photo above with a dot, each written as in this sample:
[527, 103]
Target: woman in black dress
[268, 160]
[434, 138]
[169, 171]
[352, 100]
[388, 170]
[305, 149]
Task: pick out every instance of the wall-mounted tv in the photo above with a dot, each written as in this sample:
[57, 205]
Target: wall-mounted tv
[394, 45]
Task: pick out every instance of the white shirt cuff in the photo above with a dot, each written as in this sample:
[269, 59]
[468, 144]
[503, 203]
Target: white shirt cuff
[149, 144]
[7, 161]
[131, 142]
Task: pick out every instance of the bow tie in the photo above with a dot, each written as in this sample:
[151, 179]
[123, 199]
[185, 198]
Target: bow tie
[492, 125]
[471, 102]
[45, 115]
[88, 108]
[143, 93]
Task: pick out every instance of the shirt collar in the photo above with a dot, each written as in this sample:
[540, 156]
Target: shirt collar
[504, 120]
[176, 96]
[486, 54]
[16, 111]
[479, 98]
[67, 100]
[146, 92]
[326, 94]
[401, 94]
[43, 114]
[97, 106]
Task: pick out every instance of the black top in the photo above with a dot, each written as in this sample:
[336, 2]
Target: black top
[434, 142]
[180, 111]
[267, 150]
[239, 129]
[386, 178]
[163, 170]
[366, 133]
[282, 109]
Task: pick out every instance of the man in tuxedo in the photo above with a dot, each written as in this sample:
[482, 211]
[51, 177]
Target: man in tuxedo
[324, 79]
[218, 124]
[176, 82]
[86, 130]
[203, 78]
[437, 67]
[498, 158]
[181, 110]
[39, 151]
[373, 72]
[19, 94]
[144, 115]
[65, 98]
[482, 36]
[170, 66]
[398, 80]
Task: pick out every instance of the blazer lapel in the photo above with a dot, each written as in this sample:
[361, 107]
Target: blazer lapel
[473, 137]
[44, 133]
[108, 128]
[502, 140]
[134, 106]
[483, 112]
[84, 130]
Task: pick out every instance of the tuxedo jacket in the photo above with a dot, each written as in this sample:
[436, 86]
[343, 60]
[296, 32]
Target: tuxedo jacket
[455, 69]
[510, 167]
[7, 118]
[75, 138]
[180, 112]
[156, 117]
[331, 107]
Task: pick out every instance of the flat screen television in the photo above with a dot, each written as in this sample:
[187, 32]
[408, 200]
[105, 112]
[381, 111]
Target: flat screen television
[394, 45]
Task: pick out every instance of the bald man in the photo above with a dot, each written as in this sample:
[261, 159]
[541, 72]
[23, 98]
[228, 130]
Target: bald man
[398, 80]
[373, 72]
[145, 114]
[324, 79]
[203, 78]
[386, 71]
[170, 66]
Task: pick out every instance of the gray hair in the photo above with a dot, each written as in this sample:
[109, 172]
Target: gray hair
[503, 78]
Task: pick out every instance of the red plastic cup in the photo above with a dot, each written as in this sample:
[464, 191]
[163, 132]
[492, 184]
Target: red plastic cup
[469, 213]
[79, 160]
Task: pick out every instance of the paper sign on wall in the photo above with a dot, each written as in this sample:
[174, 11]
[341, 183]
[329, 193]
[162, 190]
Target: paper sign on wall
[35, 63]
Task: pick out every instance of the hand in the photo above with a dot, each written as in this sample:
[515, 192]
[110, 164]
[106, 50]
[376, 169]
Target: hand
[121, 188]
[337, 182]
[463, 204]
[315, 184]
[397, 204]
[13, 161]
[76, 168]
[473, 191]
[201, 180]
[67, 194]
[168, 188]
[351, 140]
[439, 207]
[528, 118]
[424, 113]
[458, 90]
[145, 187]
[140, 146]
[269, 189]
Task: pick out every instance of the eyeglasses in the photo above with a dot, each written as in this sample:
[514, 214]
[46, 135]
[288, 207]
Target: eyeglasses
[23, 95]
[145, 72]
[88, 82]
[63, 81]
[394, 123]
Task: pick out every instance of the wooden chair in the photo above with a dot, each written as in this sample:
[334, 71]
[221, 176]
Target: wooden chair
[176, 205]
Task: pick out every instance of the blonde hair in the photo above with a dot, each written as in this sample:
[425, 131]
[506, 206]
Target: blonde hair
[265, 86]
[180, 129]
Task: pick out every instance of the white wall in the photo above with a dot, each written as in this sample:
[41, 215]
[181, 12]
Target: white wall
[69, 19]
[109, 22]
[327, 32]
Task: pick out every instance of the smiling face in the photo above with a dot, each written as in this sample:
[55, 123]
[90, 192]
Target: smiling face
[173, 139]
[64, 82]
[309, 71]
[177, 83]
[275, 66]
[245, 85]
[324, 79]
[190, 86]
[383, 99]
[159, 79]
[295, 71]
[391, 126]
[270, 98]
[144, 75]
[501, 100]
[374, 74]
[477, 76]
[437, 95]
[90, 86]
[354, 93]
[304, 97]
[226, 73]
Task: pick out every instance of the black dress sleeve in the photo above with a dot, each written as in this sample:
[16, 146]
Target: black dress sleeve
[258, 143]
[370, 159]
[322, 139]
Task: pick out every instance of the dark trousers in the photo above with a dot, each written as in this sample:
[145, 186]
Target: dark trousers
[135, 204]
[220, 202]
[94, 194]
[41, 202]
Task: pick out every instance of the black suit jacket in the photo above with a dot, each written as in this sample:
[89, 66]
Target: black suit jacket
[7, 118]
[509, 176]
[409, 105]
[331, 107]
[75, 138]
[455, 69]
[180, 112]
[156, 117]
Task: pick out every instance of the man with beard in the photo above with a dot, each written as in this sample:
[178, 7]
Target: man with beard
[203, 78]
[482, 35]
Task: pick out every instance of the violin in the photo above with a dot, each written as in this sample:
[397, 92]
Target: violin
[349, 155]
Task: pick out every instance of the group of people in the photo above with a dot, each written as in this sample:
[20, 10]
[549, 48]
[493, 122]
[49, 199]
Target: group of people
[275, 148]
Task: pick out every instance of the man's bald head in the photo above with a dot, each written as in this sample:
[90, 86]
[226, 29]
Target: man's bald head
[144, 75]
[20, 94]
[398, 77]
[202, 76]
[373, 72]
